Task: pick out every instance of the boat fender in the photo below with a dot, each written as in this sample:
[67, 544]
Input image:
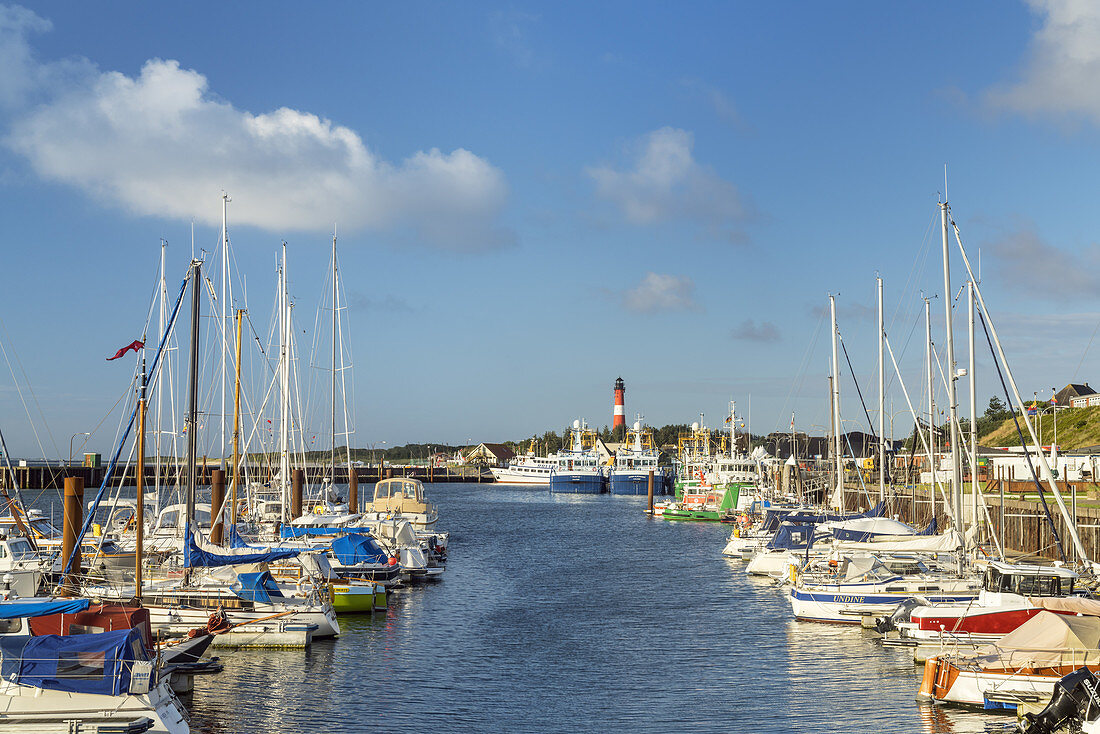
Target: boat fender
[392, 561]
[927, 683]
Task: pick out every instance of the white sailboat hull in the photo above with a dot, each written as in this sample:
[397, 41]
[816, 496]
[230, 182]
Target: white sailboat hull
[30, 709]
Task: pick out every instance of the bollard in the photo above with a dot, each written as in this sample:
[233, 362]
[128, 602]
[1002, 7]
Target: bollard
[299, 477]
[649, 491]
[353, 491]
[72, 522]
[217, 499]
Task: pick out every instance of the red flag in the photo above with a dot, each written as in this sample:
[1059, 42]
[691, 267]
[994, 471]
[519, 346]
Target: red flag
[135, 345]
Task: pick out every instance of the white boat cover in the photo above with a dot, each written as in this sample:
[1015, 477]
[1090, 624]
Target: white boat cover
[1046, 640]
[877, 525]
[1069, 604]
[945, 543]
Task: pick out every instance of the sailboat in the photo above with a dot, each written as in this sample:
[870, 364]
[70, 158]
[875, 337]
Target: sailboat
[207, 583]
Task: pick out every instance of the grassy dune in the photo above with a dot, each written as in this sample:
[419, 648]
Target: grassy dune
[1077, 428]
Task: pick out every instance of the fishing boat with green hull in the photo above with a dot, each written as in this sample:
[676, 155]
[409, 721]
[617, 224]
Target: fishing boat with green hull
[706, 504]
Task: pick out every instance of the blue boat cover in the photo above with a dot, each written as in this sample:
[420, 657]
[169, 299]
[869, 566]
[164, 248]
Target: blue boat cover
[41, 608]
[877, 511]
[357, 548]
[93, 663]
[930, 529]
[235, 540]
[792, 537]
[257, 587]
[198, 553]
[297, 531]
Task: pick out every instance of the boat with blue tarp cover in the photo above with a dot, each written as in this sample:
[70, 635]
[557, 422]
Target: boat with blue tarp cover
[774, 558]
[105, 679]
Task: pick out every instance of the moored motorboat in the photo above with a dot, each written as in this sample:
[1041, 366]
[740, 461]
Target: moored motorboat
[1023, 667]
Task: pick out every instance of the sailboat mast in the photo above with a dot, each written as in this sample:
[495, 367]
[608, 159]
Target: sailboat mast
[162, 317]
[881, 400]
[139, 481]
[952, 401]
[973, 400]
[284, 366]
[931, 403]
[224, 330]
[333, 457]
[236, 430]
[193, 390]
[838, 500]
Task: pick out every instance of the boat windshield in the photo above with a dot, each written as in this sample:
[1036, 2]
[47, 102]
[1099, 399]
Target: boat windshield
[1026, 584]
[21, 549]
[171, 518]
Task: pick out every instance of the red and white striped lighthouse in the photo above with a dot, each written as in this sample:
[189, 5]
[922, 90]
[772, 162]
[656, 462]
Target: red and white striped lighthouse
[619, 417]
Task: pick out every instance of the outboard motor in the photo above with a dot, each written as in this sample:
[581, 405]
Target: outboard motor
[902, 613]
[1076, 696]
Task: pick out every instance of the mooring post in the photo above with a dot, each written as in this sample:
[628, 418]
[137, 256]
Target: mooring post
[353, 491]
[72, 522]
[217, 499]
[649, 491]
[299, 478]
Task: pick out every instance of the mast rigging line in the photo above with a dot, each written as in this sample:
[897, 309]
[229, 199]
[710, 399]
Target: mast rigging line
[1071, 523]
[1027, 454]
[133, 416]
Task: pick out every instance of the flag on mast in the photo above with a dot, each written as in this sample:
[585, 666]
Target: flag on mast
[135, 345]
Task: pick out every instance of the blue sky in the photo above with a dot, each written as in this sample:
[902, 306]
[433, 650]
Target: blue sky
[535, 199]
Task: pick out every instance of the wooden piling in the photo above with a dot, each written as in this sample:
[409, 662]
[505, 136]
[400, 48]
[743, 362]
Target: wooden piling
[649, 491]
[296, 493]
[353, 491]
[72, 522]
[217, 502]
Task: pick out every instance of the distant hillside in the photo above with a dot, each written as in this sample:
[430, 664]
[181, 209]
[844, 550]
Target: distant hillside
[1077, 428]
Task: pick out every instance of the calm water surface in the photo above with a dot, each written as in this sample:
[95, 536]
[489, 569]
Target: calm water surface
[577, 613]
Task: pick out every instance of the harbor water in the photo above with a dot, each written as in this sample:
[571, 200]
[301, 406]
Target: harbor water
[578, 613]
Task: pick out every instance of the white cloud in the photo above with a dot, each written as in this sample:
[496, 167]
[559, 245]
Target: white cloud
[749, 330]
[1061, 75]
[161, 144]
[660, 292]
[1022, 258]
[665, 182]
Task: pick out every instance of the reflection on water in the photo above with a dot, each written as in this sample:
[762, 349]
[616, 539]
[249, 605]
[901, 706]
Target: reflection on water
[578, 612]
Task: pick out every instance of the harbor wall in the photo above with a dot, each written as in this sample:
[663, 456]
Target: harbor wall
[53, 476]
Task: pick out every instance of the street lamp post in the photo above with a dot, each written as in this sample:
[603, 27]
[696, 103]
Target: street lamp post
[79, 433]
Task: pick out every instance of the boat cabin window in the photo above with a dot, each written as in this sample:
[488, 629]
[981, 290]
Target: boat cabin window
[1026, 584]
[11, 626]
[45, 529]
[21, 549]
[81, 665]
[171, 518]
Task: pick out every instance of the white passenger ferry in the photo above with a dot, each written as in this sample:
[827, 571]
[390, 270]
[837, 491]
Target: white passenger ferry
[529, 469]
